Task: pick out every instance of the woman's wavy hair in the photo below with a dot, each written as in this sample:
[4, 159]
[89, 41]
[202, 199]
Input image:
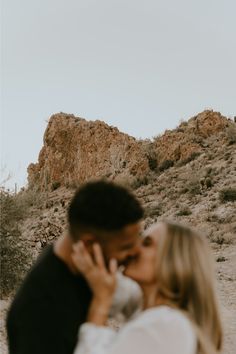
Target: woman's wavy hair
[186, 280]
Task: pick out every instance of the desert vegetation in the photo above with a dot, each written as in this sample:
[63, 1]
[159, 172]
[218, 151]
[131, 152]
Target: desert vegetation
[15, 253]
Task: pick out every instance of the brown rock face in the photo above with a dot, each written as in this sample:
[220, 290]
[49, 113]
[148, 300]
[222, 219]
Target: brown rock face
[189, 138]
[76, 150]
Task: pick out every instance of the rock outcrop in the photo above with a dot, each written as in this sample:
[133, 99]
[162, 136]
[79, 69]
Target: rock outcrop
[190, 138]
[76, 150]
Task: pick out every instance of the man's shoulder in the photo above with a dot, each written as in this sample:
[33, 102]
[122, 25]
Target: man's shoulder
[47, 267]
[47, 275]
[48, 307]
[50, 278]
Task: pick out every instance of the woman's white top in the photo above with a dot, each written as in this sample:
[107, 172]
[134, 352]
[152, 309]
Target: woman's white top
[160, 330]
[127, 300]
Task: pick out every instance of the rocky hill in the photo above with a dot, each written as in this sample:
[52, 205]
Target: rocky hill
[187, 174]
[76, 150]
[192, 138]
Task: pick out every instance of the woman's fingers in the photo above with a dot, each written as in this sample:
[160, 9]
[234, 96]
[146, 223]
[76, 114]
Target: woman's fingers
[98, 256]
[86, 263]
[113, 267]
[81, 257]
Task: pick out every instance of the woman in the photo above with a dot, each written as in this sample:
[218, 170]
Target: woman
[180, 311]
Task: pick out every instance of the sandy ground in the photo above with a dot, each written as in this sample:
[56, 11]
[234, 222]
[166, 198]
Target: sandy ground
[3, 310]
[227, 294]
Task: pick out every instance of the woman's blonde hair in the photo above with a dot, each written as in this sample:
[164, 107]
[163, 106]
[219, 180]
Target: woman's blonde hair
[186, 280]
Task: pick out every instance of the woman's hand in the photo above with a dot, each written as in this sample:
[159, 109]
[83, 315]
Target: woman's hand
[101, 280]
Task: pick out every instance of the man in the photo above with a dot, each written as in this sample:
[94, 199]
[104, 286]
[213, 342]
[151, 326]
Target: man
[53, 300]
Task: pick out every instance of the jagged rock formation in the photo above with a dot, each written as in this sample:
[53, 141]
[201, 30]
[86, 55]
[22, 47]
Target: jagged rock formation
[76, 150]
[189, 138]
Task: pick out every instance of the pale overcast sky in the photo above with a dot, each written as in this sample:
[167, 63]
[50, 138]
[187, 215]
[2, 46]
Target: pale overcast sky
[139, 65]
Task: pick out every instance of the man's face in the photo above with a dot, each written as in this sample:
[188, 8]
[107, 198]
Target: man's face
[124, 244]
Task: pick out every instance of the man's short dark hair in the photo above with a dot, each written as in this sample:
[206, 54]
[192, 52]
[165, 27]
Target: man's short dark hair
[102, 205]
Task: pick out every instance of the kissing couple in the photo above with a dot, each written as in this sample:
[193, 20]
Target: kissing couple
[166, 293]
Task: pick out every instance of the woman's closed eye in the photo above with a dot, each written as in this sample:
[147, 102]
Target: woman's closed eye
[147, 241]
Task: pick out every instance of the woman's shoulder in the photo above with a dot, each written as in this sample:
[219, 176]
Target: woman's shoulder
[162, 314]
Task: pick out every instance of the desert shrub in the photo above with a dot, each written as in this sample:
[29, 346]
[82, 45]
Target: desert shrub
[193, 185]
[210, 217]
[14, 255]
[14, 262]
[208, 171]
[152, 163]
[183, 190]
[221, 259]
[151, 154]
[165, 165]
[208, 182]
[213, 217]
[191, 157]
[210, 156]
[221, 239]
[227, 155]
[231, 134]
[138, 182]
[184, 211]
[56, 185]
[227, 195]
[153, 210]
[29, 198]
[75, 184]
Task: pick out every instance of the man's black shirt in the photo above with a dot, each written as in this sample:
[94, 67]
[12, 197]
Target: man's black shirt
[48, 309]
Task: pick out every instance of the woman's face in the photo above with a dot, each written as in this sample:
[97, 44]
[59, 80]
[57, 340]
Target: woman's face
[143, 268]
